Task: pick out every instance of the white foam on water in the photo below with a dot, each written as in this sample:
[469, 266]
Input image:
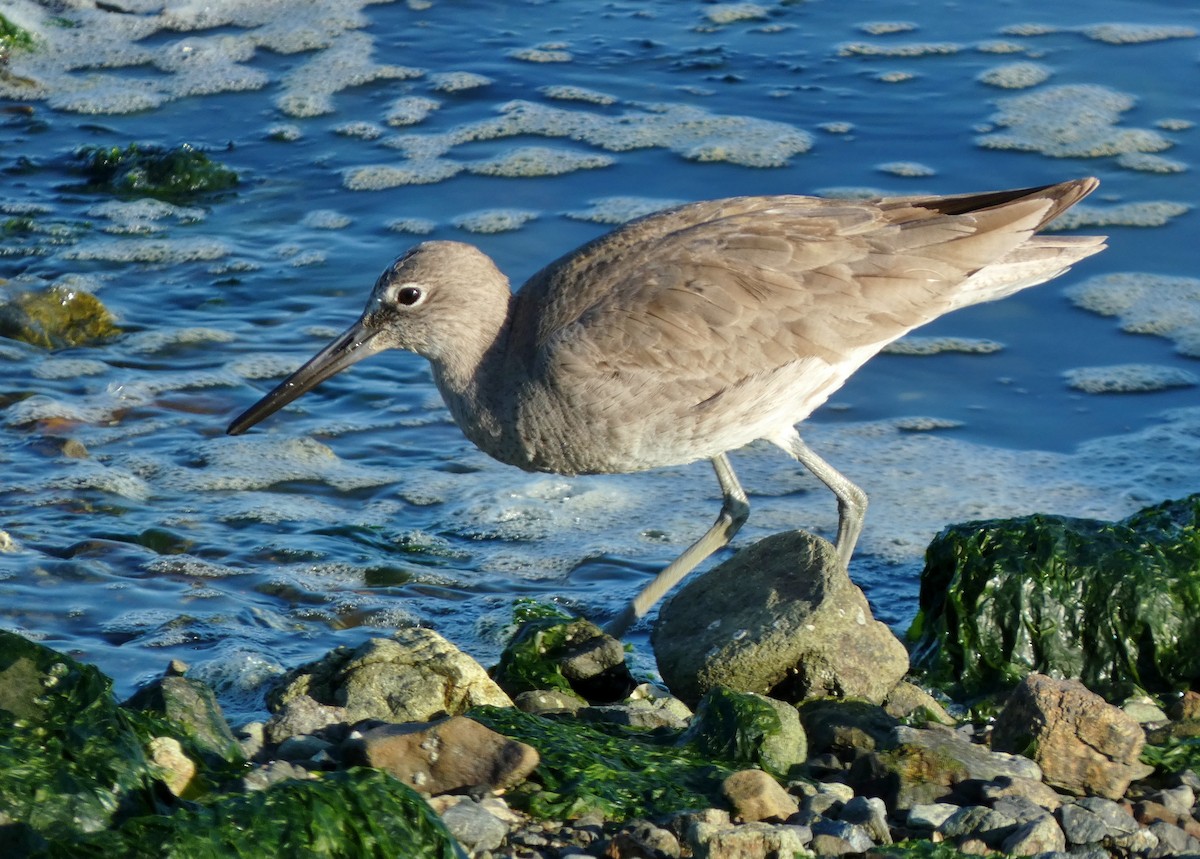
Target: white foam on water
[1129, 378]
[1146, 303]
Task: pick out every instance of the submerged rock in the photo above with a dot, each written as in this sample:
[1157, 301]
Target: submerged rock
[1112, 604]
[1083, 744]
[780, 618]
[56, 318]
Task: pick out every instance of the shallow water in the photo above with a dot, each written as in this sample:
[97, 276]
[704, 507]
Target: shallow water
[362, 506]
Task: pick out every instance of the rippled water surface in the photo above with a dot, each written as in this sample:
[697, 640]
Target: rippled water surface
[136, 531]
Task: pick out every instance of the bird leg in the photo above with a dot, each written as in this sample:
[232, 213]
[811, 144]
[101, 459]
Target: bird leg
[852, 501]
[734, 510]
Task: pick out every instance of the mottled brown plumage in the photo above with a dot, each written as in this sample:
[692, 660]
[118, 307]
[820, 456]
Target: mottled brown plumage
[694, 331]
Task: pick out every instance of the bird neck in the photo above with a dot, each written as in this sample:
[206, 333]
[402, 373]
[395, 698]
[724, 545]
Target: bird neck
[469, 375]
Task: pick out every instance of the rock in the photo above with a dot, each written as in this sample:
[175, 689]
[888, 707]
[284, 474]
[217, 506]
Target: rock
[1187, 707]
[750, 729]
[568, 654]
[414, 676]
[543, 701]
[869, 813]
[1041, 835]
[300, 716]
[924, 766]
[642, 716]
[978, 822]
[302, 749]
[640, 839]
[837, 837]
[261, 778]
[1178, 799]
[913, 704]
[1172, 841]
[1031, 790]
[750, 840]
[754, 796]
[439, 757]
[1020, 809]
[178, 769]
[846, 727]
[476, 828]
[782, 618]
[252, 737]
[1083, 744]
[1143, 710]
[193, 706]
[930, 815]
[1080, 825]
[1147, 812]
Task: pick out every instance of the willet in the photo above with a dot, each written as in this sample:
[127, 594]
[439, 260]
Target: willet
[692, 332]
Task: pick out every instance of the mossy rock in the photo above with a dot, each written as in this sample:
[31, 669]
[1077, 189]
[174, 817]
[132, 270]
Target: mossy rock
[748, 729]
[56, 318]
[1115, 605]
[70, 757]
[153, 171]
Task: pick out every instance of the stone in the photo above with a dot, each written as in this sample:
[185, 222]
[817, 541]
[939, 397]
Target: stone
[1081, 826]
[1143, 710]
[476, 828]
[754, 796]
[302, 748]
[1020, 808]
[747, 841]
[192, 705]
[571, 654]
[252, 737]
[643, 716]
[261, 778]
[837, 837]
[749, 728]
[912, 704]
[302, 715]
[443, 756]
[1179, 799]
[846, 727]
[1025, 788]
[543, 701]
[930, 815]
[1083, 744]
[640, 839]
[781, 618]
[413, 676]
[1172, 841]
[924, 766]
[178, 770]
[871, 814]
[1040, 835]
[1116, 817]
[1187, 707]
[978, 822]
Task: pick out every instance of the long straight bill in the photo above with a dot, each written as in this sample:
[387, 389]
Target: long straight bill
[351, 347]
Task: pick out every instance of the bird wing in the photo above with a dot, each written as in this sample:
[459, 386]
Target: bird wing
[711, 294]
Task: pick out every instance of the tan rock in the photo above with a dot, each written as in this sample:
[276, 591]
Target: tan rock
[178, 768]
[451, 754]
[755, 796]
[1083, 744]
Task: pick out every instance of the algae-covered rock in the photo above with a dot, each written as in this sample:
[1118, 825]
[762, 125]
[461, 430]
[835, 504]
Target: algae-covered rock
[56, 318]
[746, 728]
[606, 769]
[352, 814]
[567, 654]
[1115, 605]
[153, 171]
[192, 706]
[69, 756]
[13, 38]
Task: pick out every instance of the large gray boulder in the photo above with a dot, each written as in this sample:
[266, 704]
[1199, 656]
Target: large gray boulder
[781, 618]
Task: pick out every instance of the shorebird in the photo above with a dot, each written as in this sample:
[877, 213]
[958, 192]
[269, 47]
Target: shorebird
[694, 331]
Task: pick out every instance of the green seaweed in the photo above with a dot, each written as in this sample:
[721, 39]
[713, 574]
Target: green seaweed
[733, 726]
[1174, 755]
[70, 757]
[1115, 605]
[616, 771]
[56, 318]
[153, 171]
[12, 38]
[529, 662]
[350, 814]
[917, 849]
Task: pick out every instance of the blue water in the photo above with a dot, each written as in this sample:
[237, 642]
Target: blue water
[362, 506]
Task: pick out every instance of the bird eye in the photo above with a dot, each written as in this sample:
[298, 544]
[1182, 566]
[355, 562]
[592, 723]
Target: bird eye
[409, 295]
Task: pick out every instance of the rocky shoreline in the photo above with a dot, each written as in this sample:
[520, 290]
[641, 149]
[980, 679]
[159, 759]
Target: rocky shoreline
[405, 746]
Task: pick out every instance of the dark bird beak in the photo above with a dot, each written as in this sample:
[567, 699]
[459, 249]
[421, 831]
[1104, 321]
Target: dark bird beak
[351, 347]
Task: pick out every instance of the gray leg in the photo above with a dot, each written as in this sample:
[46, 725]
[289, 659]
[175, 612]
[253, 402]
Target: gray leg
[734, 510]
[852, 501]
